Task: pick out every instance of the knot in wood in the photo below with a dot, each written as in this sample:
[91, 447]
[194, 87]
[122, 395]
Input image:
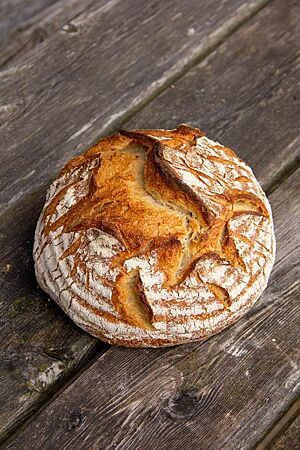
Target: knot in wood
[183, 404]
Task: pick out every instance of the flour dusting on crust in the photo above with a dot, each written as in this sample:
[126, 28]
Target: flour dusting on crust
[171, 247]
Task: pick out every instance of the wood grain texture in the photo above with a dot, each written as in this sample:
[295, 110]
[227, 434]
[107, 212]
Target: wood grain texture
[40, 347]
[223, 393]
[246, 94]
[23, 27]
[81, 84]
[290, 439]
[19, 279]
[15, 12]
[285, 433]
[39, 132]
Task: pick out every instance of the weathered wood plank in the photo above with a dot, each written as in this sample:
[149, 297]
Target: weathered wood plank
[79, 85]
[18, 281]
[38, 353]
[290, 439]
[246, 94]
[40, 348]
[22, 27]
[223, 393]
[285, 433]
[15, 12]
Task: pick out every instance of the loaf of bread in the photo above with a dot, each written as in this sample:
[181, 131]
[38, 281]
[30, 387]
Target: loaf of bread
[154, 238]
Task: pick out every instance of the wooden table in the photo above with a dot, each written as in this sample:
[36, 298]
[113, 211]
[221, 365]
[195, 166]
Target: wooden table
[75, 70]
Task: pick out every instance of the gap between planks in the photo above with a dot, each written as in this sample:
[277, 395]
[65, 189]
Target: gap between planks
[242, 14]
[259, 315]
[96, 356]
[183, 66]
[278, 431]
[176, 71]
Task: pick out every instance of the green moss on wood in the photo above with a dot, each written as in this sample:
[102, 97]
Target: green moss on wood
[22, 305]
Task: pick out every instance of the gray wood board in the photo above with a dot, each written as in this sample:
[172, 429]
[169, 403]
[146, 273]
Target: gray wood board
[13, 13]
[40, 346]
[224, 393]
[79, 84]
[246, 94]
[21, 300]
[23, 26]
[290, 439]
[286, 432]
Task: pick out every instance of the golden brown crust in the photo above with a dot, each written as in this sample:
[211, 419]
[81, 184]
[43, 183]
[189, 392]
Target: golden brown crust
[165, 202]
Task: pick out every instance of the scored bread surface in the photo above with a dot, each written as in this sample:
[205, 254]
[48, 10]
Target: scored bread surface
[155, 237]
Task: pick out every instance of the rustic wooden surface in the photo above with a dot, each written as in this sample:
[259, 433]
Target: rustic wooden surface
[236, 382]
[120, 55]
[13, 13]
[285, 434]
[49, 140]
[245, 94]
[24, 25]
[290, 439]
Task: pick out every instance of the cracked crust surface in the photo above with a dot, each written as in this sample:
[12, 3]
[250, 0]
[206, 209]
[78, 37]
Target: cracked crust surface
[155, 237]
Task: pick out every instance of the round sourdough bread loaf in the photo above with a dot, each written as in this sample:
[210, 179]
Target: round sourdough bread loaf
[154, 238]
